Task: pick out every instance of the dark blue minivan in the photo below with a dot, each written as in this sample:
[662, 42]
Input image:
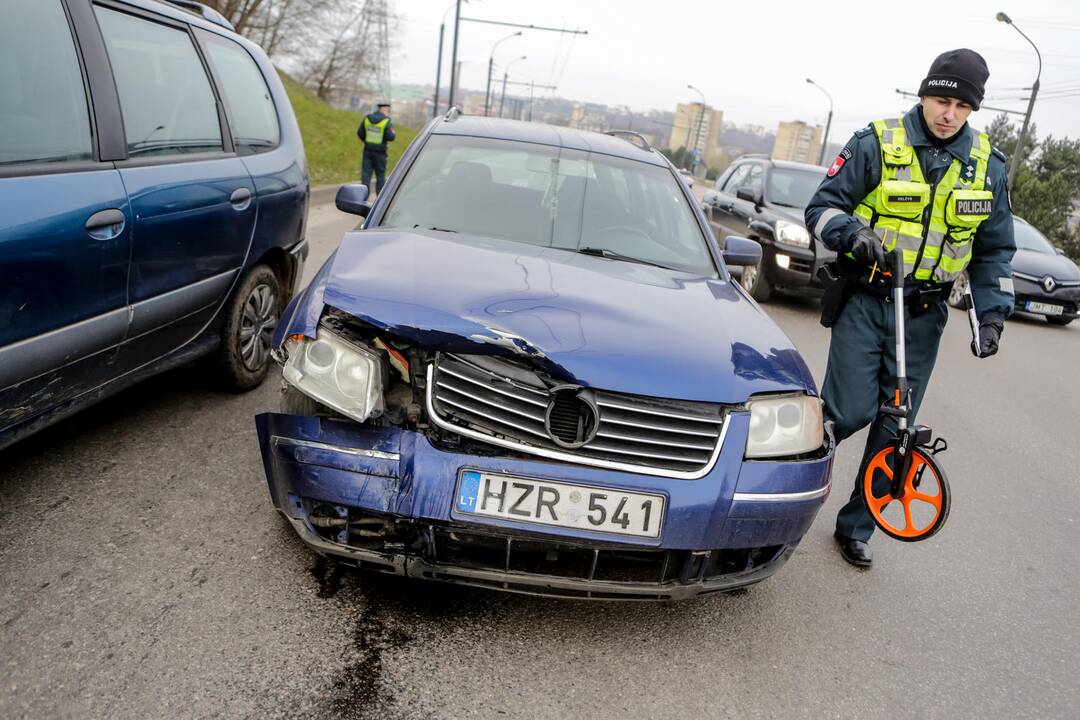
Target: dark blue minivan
[153, 194]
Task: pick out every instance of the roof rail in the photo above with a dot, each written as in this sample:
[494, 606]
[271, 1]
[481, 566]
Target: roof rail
[754, 155]
[452, 114]
[207, 13]
[630, 136]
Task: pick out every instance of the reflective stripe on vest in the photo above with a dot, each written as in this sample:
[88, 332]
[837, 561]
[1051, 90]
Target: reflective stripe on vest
[373, 132]
[896, 208]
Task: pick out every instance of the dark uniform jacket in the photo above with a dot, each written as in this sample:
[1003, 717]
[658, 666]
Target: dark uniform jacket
[388, 135]
[857, 171]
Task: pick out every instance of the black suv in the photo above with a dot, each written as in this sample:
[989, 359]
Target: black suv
[764, 199]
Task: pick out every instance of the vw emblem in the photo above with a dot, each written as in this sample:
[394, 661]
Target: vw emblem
[1049, 284]
[572, 418]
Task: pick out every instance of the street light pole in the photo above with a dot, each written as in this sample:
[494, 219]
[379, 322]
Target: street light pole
[828, 123]
[1015, 163]
[491, 63]
[506, 74]
[453, 58]
[438, 68]
[697, 135]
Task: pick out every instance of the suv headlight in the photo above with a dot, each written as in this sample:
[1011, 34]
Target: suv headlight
[337, 373]
[783, 425]
[792, 234]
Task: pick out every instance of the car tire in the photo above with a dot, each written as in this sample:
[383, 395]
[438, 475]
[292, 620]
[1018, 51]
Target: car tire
[251, 316]
[754, 282]
[1059, 320]
[956, 295]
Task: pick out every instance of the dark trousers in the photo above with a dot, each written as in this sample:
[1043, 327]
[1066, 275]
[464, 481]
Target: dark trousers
[374, 161]
[861, 375]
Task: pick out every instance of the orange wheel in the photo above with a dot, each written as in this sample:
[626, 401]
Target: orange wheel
[919, 512]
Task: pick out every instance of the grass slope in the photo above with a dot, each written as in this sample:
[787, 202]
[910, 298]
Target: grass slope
[333, 150]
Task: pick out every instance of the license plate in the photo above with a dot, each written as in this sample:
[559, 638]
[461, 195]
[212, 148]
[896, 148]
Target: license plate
[1044, 308]
[560, 504]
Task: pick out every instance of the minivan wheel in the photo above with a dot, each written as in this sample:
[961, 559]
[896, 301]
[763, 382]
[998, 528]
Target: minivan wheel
[754, 282]
[250, 320]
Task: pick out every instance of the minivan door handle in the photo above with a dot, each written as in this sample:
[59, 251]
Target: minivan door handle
[240, 198]
[106, 224]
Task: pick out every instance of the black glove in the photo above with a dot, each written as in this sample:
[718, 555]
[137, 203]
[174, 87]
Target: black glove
[989, 337]
[866, 246]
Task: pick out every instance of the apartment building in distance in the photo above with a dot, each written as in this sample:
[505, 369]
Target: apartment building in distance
[698, 125]
[797, 141]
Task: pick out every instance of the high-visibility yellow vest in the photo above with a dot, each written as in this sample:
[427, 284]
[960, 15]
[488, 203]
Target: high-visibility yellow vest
[933, 224]
[373, 132]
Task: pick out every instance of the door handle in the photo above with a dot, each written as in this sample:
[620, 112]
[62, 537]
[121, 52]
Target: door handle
[240, 198]
[106, 224]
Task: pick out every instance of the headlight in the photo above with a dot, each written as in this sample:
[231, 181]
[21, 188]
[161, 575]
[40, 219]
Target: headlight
[784, 425]
[337, 373]
[792, 234]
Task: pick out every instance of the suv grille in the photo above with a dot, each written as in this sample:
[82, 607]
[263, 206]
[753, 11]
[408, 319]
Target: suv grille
[661, 437]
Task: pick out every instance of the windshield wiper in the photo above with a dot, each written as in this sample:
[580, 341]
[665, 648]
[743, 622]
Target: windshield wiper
[436, 229]
[612, 255]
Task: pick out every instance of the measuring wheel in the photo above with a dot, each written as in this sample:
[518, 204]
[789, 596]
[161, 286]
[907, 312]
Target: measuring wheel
[923, 502]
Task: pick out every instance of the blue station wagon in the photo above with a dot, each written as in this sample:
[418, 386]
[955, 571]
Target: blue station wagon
[530, 370]
[153, 194]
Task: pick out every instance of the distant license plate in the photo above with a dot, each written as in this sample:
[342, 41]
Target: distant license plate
[561, 504]
[1044, 308]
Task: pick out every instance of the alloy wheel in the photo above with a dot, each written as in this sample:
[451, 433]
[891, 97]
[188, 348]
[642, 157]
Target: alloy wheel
[257, 326]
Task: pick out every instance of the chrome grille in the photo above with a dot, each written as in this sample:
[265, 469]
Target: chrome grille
[638, 434]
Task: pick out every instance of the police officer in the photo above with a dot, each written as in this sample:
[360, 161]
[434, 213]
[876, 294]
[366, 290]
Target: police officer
[930, 184]
[375, 132]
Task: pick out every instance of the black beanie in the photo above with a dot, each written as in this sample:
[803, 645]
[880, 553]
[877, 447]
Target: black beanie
[959, 74]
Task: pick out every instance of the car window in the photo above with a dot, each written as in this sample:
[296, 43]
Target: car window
[1028, 238]
[165, 96]
[251, 108]
[754, 181]
[43, 109]
[734, 181]
[551, 197]
[792, 188]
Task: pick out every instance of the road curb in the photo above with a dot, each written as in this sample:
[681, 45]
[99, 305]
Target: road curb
[323, 194]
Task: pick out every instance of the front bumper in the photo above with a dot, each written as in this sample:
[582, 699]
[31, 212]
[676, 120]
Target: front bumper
[1066, 297]
[733, 527]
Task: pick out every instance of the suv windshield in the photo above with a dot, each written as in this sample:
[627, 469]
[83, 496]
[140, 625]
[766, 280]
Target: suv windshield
[551, 197]
[792, 188]
[1028, 238]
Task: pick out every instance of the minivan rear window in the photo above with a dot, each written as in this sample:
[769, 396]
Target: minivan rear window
[165, 96]
[43, 111]
[251, 109]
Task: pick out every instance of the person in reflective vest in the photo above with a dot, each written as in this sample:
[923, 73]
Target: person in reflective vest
[934, 187]
[375, 132]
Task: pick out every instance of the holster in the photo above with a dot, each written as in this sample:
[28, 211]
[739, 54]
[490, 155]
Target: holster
[837, 291]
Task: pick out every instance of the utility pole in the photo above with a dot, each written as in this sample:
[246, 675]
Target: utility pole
[438, 68]
[491, 63]
[506, 75]
[453, 58]
[1015, 162]
[531, 88]
[828, 123]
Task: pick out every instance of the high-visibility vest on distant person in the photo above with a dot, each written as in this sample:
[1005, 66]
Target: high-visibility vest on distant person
[933, 224]
[373, 132]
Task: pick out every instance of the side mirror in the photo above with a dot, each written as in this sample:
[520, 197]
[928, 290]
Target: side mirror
[352, 198]
[741, 251]
[748, 195]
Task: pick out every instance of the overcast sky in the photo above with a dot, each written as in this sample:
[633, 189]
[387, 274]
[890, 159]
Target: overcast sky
[751, 58]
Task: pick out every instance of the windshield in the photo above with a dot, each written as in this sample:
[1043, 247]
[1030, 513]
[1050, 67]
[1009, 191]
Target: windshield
[1028, 238]
[793, 188]
[551, 197]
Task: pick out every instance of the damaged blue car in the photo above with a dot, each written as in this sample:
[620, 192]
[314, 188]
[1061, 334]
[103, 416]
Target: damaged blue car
[530, 370]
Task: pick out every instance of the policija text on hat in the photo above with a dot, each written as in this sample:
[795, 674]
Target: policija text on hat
[931, 185]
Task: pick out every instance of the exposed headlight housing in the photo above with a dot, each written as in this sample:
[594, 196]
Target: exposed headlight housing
[337, 373]
[792, 234]
[784, 425]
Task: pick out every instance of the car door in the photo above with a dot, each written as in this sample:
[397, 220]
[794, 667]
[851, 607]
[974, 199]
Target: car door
[191, 196]
[743, 212]
[723, 216]
[65, 223]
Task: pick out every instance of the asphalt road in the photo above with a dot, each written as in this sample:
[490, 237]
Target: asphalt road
[144, 573]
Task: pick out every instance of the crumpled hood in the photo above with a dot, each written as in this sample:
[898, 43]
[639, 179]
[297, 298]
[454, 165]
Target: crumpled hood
[614, 325]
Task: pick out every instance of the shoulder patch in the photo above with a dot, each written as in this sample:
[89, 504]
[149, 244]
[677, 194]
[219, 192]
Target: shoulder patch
[863, 132]
[1000, 155]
